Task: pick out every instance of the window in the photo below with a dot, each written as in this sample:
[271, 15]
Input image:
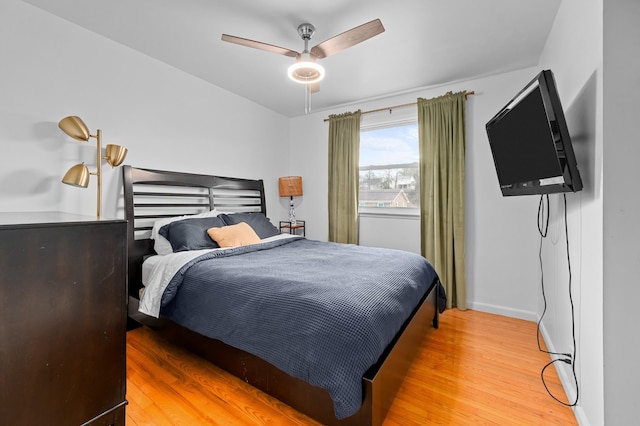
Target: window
[389, 172]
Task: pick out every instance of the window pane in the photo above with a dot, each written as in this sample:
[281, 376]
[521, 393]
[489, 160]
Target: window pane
[389, 174]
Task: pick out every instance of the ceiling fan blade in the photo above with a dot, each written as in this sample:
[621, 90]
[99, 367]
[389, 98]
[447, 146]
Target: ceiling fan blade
[259, 45]
[313, 87]
[347, 39]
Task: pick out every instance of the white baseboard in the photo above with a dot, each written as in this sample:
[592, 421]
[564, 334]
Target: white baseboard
[566, 379]
[501, 310]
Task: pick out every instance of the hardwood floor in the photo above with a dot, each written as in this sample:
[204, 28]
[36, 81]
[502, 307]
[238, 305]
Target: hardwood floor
[476, 369]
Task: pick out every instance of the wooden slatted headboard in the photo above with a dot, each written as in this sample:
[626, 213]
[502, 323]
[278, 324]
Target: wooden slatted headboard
[150, 195]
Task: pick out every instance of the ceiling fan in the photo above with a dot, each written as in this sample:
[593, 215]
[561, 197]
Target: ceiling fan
[305, 70]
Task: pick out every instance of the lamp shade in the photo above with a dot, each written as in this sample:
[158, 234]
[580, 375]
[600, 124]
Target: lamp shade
[290, 186]
[115, 154]
[75, 127]
[78, 175]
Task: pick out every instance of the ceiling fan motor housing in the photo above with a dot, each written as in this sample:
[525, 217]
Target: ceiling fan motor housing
[305, 70]
[306, 31]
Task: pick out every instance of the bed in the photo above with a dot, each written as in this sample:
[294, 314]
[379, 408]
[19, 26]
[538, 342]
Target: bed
[153, 197]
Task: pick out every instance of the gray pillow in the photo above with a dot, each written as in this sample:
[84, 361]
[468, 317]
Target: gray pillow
[191, 234]
[258, 221]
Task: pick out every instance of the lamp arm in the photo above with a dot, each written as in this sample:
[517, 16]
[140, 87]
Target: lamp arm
[99, 172]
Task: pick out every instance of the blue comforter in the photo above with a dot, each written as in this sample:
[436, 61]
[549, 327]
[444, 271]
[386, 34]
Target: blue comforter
[321, 312]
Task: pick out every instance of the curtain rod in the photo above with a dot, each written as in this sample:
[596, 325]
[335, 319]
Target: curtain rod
[399, 106]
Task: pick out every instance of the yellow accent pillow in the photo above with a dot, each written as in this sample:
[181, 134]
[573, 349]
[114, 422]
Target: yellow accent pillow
[240, 234]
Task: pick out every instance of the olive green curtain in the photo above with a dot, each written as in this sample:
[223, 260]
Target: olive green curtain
[441, 129]
[344, 156]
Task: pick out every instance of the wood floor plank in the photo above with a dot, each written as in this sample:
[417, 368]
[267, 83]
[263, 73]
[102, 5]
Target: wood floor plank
[203, 387]
[478, 368]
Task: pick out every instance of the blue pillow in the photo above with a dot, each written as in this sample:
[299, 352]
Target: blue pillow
[258, 221]
[191, 234]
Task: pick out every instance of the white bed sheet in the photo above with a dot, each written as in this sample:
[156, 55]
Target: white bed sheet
[148, 265]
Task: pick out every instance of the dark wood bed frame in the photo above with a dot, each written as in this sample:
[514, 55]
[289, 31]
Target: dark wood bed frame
[153, 194]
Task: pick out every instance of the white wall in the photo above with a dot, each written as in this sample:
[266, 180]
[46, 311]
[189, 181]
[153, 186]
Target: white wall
[401, 232]
[501, 232]
[574, 53]
[168, 119]
[621, 202]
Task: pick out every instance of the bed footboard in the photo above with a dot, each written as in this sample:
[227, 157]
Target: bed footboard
[383, 380]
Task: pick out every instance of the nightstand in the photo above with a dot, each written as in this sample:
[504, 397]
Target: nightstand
[297, 229]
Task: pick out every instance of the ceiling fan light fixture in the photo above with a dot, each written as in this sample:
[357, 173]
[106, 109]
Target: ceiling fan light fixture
[306, 70]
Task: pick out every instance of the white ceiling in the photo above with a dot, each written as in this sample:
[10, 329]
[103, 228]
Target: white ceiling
[426, 42]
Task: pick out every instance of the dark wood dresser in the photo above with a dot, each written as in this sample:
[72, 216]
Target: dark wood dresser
[62, 320]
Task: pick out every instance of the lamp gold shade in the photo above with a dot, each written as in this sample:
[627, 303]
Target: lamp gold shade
[290, 186]
[75, 127]
[78, 175]
[115, 155]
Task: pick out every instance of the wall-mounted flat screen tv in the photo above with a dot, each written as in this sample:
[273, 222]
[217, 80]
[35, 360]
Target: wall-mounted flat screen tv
[530, 142]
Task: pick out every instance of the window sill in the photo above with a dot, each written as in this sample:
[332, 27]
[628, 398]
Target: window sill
[389, 213]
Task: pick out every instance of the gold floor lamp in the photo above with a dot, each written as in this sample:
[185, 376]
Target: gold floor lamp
[79, 174]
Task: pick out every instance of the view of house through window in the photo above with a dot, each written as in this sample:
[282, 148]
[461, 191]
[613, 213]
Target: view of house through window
[389, 173]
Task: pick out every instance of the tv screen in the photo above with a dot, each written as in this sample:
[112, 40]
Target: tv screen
[530, 142]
